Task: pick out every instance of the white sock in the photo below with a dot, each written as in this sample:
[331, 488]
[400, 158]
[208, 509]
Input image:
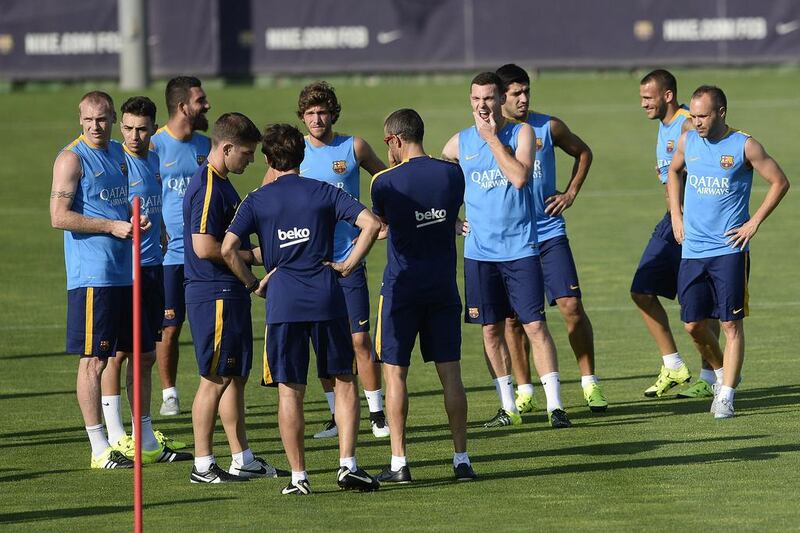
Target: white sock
[97, 438]
[397, 463]
[505, 390]
[374, 400]
[552, 390]
[591, 379]
[673, 361]
[708, 375]
[459, 458]
[167, 393]
[113, 417]
[297, 476]
[719, 373]
[349, 463]
[149, 441]
[202, 463]
[726, 393]
[244, 457]
[525, 388]
[330, 397]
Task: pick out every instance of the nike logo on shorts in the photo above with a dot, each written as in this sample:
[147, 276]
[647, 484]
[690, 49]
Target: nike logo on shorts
[574, 287]
[362, 322]
[737, 311]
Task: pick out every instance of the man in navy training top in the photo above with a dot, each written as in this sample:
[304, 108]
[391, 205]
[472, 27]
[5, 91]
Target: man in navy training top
[295, 218]
[419, 198]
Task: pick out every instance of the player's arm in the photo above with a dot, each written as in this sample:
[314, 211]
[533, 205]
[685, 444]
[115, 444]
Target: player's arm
[574, 146]
[231, 251]
[369, 226]
[67, 173]
[772, 173]
[515, 167]
[378, 209]
[450, 150]
[674, 181]
[366, 157]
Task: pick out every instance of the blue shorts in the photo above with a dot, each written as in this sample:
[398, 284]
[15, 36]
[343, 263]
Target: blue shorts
[99, 320]
[657, 273]
[174, 296]
[495, 291]
[400, 321]
[286, 354]
[558, 268]
[356, 298]
[152, 306]
[714, 287]
[222, 332]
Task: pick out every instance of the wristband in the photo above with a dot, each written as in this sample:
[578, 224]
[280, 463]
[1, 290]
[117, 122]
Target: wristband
[253, 286]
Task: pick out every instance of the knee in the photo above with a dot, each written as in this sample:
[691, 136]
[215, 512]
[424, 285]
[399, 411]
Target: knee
[572, 310]
[94, 366]
[362, 345]
[732, 328]
[695, 329]
[642, 301]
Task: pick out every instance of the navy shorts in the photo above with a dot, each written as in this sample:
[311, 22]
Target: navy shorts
[152, 306]
[400, 321]
[558, 268]
[495, 291]
[356, 298]
[286, 353]
[222, 332]
[657, 272]
[174, 296]
[99, 320]
[714, 287]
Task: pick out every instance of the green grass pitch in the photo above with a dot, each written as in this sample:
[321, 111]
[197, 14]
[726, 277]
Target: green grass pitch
[644, 464]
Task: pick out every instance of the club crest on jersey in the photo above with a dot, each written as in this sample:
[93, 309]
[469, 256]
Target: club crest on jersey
[105, 345]
[123, 166]
[473, 312]
[539, 144]
[340, 166]
[726, 161]
[201, 159]
[670, 146]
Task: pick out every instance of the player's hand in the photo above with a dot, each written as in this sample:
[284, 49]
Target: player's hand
[739, 237]
[677, 229]
[342, 269]
[462, 227]
[261, 291]
[384, 231]
[121, 229]
[487, 129]
[558, 203]
[144, 223]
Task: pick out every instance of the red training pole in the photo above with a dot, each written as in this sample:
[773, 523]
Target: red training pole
[137, 355]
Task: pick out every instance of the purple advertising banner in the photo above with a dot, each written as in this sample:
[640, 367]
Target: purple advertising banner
[53, 39]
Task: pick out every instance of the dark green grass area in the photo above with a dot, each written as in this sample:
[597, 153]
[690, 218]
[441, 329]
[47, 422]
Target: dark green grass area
[644, 464]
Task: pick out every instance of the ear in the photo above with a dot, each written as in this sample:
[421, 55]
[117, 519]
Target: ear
[502, 98]
[669, 96]
[723, 111]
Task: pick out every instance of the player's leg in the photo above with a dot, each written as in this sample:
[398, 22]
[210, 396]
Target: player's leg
[291, 423]
[111, 399]
[329, 429]
[656, 276]
[397, 409]
[519, 349]
[167, 349]
[498, 360]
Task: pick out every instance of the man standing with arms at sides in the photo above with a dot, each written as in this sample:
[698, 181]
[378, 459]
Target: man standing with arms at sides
[218, 306]
[89, 201]
[181, 150]
[137, 126]
[502, 271]
[657, 273]
[715, 228]
[558, 266]
[419, 199]
[336, 159]
[294, 218]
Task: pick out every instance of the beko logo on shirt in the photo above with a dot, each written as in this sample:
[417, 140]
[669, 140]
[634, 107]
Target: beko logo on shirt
[293, 236]
[431, 216]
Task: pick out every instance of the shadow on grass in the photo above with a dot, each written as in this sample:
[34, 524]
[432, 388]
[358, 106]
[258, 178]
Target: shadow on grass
[26, 475]
[82, 512]
[37, 355]
[35, 394]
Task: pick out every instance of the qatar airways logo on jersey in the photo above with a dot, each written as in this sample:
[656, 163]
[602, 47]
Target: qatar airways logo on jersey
[178, 185]
[151, 204]
[293, 236]
[709, 185]
[115, 195]
[431, 216]
[489, 179]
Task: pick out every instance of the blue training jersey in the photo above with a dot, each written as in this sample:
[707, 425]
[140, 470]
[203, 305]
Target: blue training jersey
[208, 208]
[178, 163]
[420, 199]
[717, 196]
[336, 163]
[667, 142]
[544, 179]
[144, 181]
[99, 259]
[501, 217]
[295, 219]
